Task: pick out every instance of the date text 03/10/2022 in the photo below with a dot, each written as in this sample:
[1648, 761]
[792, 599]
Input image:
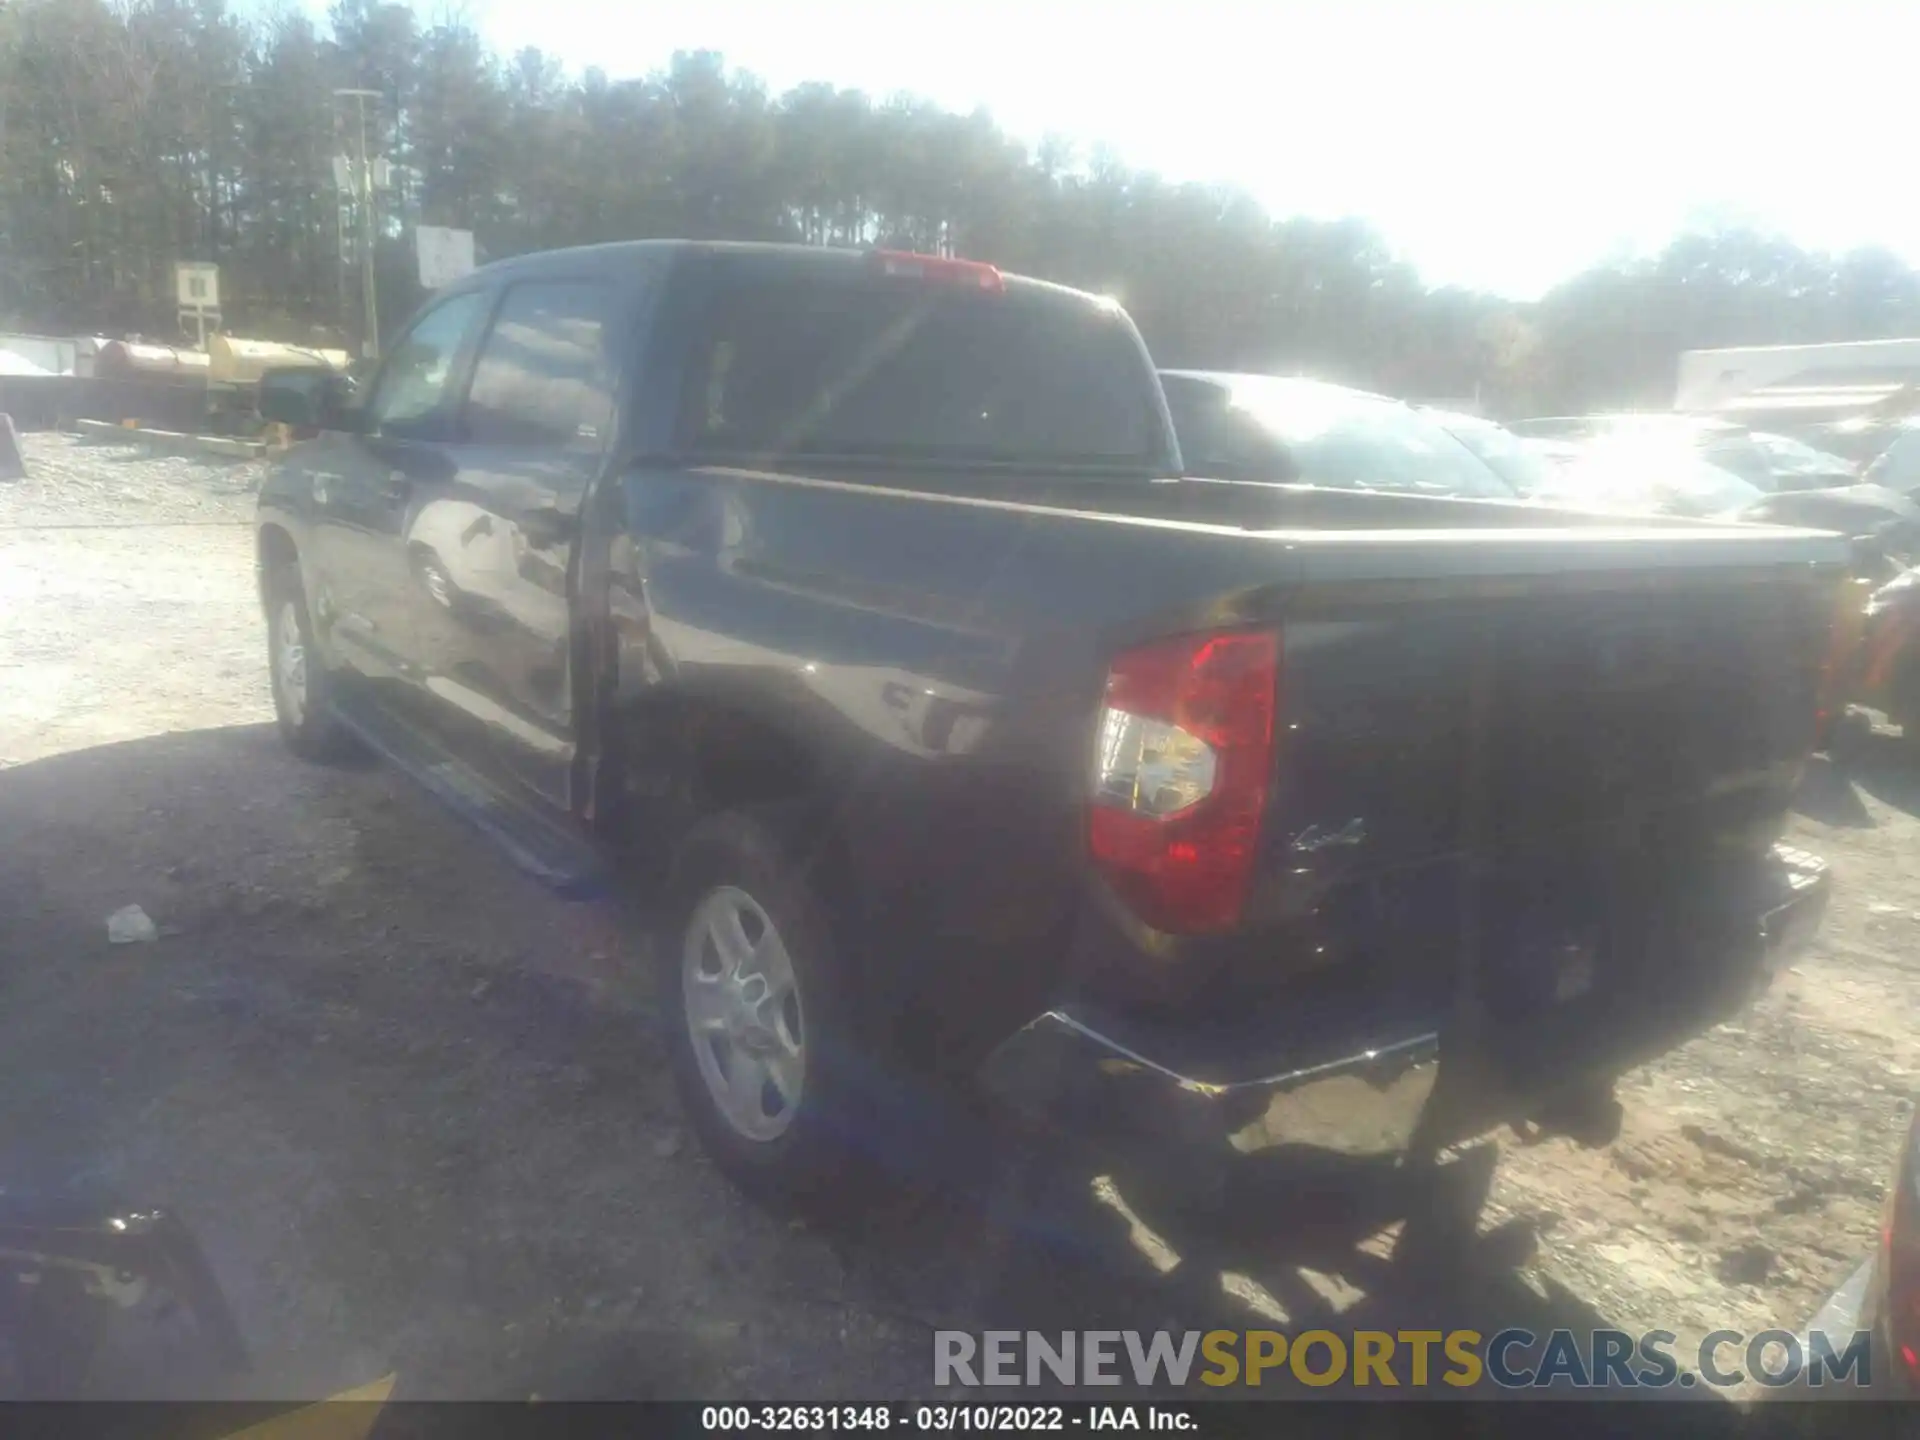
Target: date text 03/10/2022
[941, 1419]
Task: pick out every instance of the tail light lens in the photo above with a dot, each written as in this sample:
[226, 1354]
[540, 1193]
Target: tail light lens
[1181, 774]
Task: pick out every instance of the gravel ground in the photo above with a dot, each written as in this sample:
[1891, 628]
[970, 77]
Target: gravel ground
[409, 1101]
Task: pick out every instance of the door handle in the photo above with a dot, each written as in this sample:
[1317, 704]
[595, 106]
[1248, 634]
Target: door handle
[546, 526]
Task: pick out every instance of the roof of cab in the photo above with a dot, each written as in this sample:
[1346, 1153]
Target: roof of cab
[619, 254]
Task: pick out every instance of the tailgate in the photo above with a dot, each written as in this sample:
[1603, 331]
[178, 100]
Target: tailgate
[1536, 765]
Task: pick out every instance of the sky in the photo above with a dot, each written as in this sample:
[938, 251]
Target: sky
[1499, 146]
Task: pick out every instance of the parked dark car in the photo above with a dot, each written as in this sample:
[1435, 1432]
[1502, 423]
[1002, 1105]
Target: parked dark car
[1871, 514]
[1769, 462]
[1633, 475]
[1527, 466]
[1656, 469]
[850, 606]
[1796, 465]
[1306, 432]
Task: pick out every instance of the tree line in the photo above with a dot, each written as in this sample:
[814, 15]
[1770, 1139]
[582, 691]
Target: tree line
[136, 133]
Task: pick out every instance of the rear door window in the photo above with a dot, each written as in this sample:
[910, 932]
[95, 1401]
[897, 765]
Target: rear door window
[855, 365]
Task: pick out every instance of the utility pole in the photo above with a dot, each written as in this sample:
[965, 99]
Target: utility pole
[362, 177]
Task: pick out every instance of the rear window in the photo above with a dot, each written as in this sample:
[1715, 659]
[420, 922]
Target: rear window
[864, 366]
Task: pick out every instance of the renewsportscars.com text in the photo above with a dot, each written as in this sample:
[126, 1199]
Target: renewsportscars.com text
[1510, 1359]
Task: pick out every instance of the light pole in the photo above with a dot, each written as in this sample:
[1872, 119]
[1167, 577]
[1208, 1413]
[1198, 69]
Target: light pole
[363, 202]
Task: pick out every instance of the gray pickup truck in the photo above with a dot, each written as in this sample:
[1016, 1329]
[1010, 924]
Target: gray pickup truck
[853, 606]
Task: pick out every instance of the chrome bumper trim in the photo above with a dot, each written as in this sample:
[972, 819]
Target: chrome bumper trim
[1369, 1102]
[1071, 1074]
[1396, 1057]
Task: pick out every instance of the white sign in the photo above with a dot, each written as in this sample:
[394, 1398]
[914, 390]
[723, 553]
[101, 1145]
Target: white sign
[196, 286]
[445, 255]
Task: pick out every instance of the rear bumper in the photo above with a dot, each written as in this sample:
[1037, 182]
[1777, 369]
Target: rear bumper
[1426, 1078]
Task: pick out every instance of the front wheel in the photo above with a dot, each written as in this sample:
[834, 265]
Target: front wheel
[299, 680]
[753, 994]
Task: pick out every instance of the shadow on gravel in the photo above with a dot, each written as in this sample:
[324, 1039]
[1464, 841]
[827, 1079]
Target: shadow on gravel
[1827, 795]
[1888, 768]
[1035, 1232]
[377, 1072]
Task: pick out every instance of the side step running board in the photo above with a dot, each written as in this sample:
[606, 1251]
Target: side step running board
[555, 856]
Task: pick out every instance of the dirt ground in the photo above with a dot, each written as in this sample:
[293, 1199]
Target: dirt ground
[411, 1103]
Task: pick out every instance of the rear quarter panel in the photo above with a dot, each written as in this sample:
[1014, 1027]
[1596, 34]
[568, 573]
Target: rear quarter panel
[941, 659]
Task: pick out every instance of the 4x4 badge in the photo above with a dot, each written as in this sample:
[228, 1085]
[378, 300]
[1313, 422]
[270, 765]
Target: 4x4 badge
[1313, 838]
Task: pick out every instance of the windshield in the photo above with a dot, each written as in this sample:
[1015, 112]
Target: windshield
[1795, 457]
[820, 364]
[1303, 432]
[1522, 464]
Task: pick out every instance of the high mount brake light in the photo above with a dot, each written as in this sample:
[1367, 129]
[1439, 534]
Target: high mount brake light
[903, 264]
[1181, 774]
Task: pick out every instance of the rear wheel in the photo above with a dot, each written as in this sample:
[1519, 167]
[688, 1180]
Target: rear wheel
[299, 680]
[753, 993]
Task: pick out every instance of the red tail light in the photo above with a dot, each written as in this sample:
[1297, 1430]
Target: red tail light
[975, 274]
[1185, 752]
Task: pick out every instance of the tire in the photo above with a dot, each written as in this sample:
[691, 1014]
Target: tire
[764, 1070]
[434, 579]
[300, 683]
[1850, 737]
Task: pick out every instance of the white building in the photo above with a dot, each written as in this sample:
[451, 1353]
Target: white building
[1806, 382]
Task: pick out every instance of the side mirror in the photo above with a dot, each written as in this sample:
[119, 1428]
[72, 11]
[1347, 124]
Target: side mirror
[307, 398]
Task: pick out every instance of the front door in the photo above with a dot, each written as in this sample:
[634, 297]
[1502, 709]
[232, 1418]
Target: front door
[367, 485]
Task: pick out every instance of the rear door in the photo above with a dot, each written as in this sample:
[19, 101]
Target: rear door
[493, 537]
[364, 492]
